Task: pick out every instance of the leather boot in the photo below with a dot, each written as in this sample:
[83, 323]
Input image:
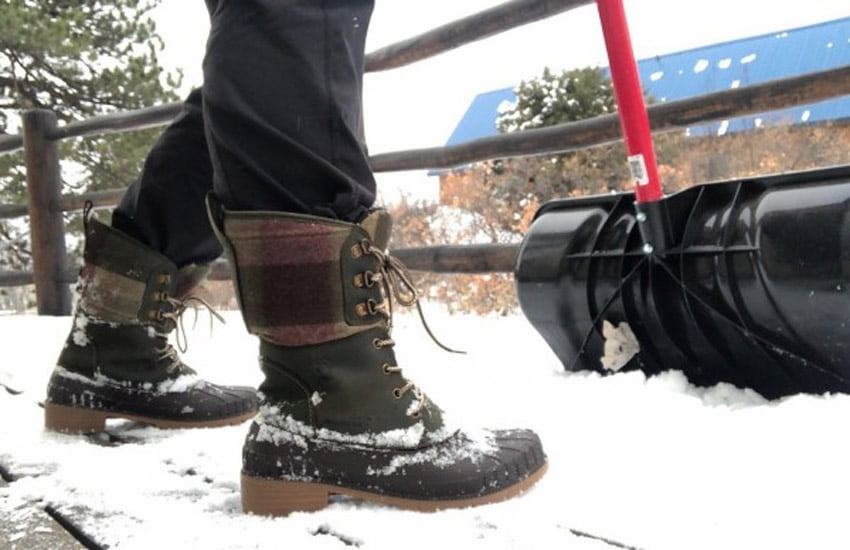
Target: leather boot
[337, 416]
[117, 362]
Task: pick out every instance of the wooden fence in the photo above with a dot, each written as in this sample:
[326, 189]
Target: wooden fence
[46, 203]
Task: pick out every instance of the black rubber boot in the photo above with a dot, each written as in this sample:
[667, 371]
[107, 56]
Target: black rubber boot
[337, 416]
[117, 362]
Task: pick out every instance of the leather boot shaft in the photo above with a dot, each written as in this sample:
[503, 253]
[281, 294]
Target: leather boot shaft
[129, 297]
[316, 291]
[303, 280]
[124, 281]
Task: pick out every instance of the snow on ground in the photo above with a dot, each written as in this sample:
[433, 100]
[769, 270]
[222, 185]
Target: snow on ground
[653, 464]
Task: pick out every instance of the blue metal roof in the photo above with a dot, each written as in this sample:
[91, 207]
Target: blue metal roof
[480, 118]
[714, 68]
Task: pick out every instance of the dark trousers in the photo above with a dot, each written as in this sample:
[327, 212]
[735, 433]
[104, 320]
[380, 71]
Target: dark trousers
[277, 125]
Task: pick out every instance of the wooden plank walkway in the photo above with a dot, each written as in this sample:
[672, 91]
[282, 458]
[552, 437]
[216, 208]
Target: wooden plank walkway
[38, 531]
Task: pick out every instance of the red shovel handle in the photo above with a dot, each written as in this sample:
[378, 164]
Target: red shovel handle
[629, 93]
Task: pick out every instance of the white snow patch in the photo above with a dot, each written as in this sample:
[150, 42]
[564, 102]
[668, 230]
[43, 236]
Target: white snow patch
[412, 408]
[724, 127]
[701, 65]
[182, 383]
[315, 399]
[805, 116]
[725, 63]
[735, 84]
[442, 456]
[505, 106]
[277, 427]
[657, 75]
[271, 433]
[652, 463]
[621, 345]
[187, 410]
[748, 58]
[78, 333]
[98, 380]
[758, 122]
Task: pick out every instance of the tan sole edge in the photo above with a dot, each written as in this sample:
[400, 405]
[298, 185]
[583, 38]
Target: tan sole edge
[266, 497]
[60, 418]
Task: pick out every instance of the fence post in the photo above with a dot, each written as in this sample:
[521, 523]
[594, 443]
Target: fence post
[47, 229]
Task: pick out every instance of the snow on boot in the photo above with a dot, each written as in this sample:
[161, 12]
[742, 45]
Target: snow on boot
[117, 362]
[336, 414]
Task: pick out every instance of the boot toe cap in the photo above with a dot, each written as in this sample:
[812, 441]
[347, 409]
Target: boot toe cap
[213, 402]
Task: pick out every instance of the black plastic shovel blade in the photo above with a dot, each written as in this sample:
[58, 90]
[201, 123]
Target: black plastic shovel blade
[752, 290]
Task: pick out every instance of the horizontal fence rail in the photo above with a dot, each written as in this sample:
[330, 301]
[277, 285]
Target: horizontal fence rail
[753, 99]
[71, 202]
[119, 122]
[471, 258]
[476, 258]
[16, 278]
[484, 24]
[10, 143]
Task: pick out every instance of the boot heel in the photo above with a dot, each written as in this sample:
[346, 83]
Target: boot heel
[60, 418]
[265, 497]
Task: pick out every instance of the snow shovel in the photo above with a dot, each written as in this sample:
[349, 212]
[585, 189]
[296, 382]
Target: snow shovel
[743, 282]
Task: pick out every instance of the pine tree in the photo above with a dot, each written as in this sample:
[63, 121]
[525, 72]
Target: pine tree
[78, 58]
[557, 98]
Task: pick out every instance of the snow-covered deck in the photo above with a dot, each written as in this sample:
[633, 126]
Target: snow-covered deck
[651, 464]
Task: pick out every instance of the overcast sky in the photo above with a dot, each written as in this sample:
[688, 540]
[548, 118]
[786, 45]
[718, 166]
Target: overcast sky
[419, 105]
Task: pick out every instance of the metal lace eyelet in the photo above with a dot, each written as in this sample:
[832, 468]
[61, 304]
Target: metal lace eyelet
[372, 306]
[164, 278]
[386, 368]
[417, 414]
[366, 246]
[376, 343]
[356, 251]
[362, 309]
[397, 393]
[368, 279]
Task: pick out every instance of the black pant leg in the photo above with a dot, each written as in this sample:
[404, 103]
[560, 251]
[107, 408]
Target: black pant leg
[164, 208]
[283, 106]
[281, 114]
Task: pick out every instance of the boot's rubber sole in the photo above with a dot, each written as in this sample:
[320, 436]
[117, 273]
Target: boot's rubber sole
[61, 418]
[269, 497]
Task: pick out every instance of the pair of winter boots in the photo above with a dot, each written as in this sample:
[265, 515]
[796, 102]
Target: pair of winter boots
[334, 415]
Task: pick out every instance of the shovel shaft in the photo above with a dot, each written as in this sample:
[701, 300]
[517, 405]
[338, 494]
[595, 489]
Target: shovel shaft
[629, 93]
